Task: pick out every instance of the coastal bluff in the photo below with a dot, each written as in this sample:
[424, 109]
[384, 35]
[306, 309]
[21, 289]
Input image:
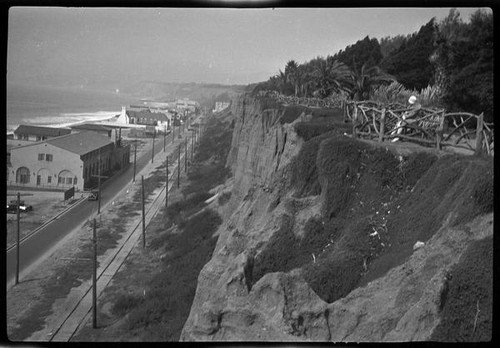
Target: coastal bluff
[330, 238]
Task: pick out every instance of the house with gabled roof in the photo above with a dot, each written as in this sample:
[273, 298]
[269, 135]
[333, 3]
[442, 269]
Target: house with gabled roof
[144, 117]
[66, 161]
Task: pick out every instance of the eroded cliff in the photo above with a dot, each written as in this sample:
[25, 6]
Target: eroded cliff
[318, 237]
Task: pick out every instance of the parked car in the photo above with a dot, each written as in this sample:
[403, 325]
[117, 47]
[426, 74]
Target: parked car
[23, 208]
[93, 196]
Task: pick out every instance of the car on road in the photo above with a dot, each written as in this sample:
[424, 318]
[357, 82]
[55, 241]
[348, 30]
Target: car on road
[93, 196]
[23, 208]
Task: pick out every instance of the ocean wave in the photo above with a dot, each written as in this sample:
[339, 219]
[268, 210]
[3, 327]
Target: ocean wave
[71, 119]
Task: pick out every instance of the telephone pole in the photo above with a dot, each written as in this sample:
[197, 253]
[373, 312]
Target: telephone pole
[153, 153]
[143, 215]
[179, 167]
[18, 237]
[166, 185]
[135, 156]
[99, 184]
[94, 279]
[186, 155]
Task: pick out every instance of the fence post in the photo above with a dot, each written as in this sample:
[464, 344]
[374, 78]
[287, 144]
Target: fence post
[382, 126]
[439, 132]
[479, 135]
[354, 122]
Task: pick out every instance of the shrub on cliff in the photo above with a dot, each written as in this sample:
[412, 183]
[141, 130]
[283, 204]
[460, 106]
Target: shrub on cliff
[457, 188]
[292, 112]
[466, 314]
[168, 300]
[307, 130]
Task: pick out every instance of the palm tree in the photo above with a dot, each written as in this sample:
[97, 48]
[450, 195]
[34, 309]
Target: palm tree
[293, 74]
[280, 81]
[331, 76]
[365, 79]
[448, 33]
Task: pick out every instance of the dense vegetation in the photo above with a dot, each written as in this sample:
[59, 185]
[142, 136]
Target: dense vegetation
[366, 189]
[161, 311]
[452, 59]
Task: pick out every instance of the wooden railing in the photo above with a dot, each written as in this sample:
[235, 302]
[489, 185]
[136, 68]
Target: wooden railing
[309, 102]
[430, 126]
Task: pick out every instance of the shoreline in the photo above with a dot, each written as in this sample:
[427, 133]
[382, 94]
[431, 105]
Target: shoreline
[10, 128]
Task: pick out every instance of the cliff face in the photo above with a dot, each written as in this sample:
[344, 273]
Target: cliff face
[272, 279]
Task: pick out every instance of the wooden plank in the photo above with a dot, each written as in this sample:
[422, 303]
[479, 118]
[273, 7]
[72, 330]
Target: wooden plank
[479, 135]
[382, 126]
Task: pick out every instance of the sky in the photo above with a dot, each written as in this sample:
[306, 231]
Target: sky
[118, 46]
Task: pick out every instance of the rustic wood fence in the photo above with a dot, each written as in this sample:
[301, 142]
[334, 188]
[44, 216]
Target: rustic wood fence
[429, 126]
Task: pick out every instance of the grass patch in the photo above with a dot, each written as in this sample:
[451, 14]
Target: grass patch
[224, 198]
[269, 103]
[177, 212]
[171, 291]
[308, 130]
[292, 112]
[161, 313]
[469, 293]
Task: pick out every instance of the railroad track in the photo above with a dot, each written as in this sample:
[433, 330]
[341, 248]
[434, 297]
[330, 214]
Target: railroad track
[78, 306]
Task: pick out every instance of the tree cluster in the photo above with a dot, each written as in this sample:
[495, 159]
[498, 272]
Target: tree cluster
[452, 59]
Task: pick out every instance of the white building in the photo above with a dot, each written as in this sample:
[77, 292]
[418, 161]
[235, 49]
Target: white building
[65, 161]
[144, 117]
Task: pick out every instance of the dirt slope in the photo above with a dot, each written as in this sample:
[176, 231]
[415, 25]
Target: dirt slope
[318, 242]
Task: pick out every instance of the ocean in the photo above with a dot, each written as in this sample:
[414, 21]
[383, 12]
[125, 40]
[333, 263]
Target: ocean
[61, 106]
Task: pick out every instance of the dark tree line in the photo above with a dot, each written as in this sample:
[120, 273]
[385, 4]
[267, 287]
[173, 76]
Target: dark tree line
[454, 57]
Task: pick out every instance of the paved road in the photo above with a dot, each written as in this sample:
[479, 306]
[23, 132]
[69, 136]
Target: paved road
[34, 247]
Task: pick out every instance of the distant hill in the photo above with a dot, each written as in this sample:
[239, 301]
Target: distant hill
[205, 94]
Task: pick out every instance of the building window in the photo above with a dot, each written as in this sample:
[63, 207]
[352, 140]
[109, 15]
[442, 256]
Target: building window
[49, 179]
[48, 157]
[69, 181]
[38, 138]
[23, 175]
[41, 156]
[60, 180]
[75, 180]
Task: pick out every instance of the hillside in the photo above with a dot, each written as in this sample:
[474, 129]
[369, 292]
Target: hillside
[317, 240]
[205, 94]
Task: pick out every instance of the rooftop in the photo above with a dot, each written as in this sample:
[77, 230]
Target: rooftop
[91, 126]
[147, 114]
[41, 131]
[78, 143]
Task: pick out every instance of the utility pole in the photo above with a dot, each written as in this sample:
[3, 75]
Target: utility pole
[179, 167]
[186, 155]
[192, 147]
[173, 131]
[135, 156]
[153, 153]
[18, 237]
[143, 215]
[99, 186]
[164, 136]
[94, 279]
[166, 185]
